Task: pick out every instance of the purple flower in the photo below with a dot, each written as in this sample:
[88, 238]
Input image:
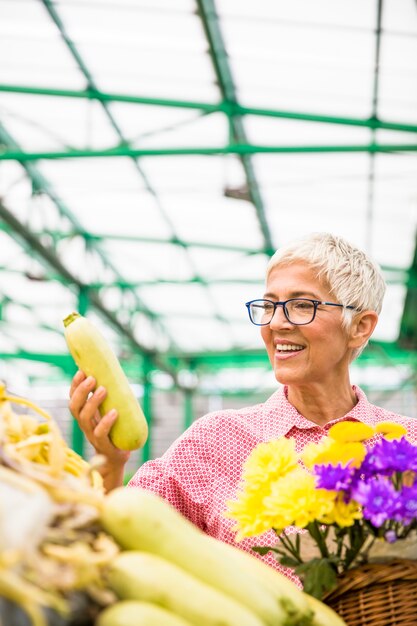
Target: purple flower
[387, 457]
[333, 477]
[407, 511]
[390, 536]
[379, 500]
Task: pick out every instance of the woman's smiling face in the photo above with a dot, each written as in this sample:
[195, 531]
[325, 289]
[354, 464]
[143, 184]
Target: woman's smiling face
[314, 353]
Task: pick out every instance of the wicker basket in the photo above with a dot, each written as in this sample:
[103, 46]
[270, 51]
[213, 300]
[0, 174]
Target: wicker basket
[377, 595]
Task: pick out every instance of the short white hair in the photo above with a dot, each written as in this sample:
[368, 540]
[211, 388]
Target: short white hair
[351, 275]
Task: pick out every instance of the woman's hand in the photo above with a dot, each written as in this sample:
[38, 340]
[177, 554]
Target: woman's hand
[84, 406]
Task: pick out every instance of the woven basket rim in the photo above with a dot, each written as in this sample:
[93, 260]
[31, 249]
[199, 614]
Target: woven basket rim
[365, 575]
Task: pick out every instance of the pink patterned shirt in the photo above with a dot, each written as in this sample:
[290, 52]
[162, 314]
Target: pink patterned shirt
[202, 468]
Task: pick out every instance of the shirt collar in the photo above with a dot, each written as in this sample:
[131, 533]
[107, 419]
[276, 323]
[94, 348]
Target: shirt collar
[278, 409]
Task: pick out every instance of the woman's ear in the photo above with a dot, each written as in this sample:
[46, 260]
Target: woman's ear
[362, 327]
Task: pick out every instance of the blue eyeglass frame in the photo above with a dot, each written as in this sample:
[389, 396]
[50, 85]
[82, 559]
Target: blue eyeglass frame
[284, 303]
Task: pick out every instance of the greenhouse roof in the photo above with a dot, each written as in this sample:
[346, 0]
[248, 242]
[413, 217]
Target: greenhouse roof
[155, 153]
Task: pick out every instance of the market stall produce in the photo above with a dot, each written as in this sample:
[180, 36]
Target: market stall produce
[72, 556]
[52, 546]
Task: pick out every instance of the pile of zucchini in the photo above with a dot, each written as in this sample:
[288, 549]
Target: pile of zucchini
[168, 564]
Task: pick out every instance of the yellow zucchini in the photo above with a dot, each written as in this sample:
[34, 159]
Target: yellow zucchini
[137, 613]
[135, 575]
[141, 520]
[94, 357]
[323, 615]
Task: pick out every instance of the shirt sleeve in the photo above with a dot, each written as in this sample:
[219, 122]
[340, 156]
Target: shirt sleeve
[183, 475]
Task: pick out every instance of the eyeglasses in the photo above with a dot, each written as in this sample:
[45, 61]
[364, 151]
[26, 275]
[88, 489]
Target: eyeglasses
[298, 311]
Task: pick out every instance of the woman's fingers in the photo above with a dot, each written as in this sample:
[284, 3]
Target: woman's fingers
[84, 405]
[77, 379]
[104, 424]
[79, 395]
[102, 441]
[89, 415]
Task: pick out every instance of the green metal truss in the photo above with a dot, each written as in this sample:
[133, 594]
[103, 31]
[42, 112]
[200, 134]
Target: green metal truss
[173, 361]
[224, 106]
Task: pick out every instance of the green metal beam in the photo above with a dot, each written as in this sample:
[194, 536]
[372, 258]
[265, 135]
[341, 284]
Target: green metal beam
[226, 107]
[131, 365]
[370, 201]
[147, 406]
[78, 440]
[188, 408]
[59, 235]
[240, 149]
[376, 353]
[63, 361]
[219, 57]
[103, 96]
[408, 328]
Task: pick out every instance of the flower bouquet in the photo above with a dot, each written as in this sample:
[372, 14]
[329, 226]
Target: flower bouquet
[347, 501]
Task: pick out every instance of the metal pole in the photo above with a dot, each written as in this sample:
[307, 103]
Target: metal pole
[188, 408]
[147, 407]
[224, 106]
[239, 148]
[77, 435]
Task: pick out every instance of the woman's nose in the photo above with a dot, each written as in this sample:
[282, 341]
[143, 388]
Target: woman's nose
[279, 318]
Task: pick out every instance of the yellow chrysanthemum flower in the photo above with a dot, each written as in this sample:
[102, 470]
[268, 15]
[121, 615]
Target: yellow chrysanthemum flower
[312, 451]
[342, 454]
[350, 432]
[343, 513]
[294, 500]
[248, 511]
[269, 461]
[391, 430]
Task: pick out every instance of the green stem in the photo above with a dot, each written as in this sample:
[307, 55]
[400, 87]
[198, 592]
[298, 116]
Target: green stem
[314, 530]
[70, 318]
[340, 541]
[357, 538]
[397, 480]
[289, 546]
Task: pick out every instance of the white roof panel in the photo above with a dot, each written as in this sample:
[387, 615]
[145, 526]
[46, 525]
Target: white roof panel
[76, 123]
[31, 50]
[356, 14]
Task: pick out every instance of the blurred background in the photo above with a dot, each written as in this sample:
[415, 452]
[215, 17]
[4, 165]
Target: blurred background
[155, 153]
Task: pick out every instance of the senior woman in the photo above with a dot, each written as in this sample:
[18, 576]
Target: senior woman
[319, 309]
